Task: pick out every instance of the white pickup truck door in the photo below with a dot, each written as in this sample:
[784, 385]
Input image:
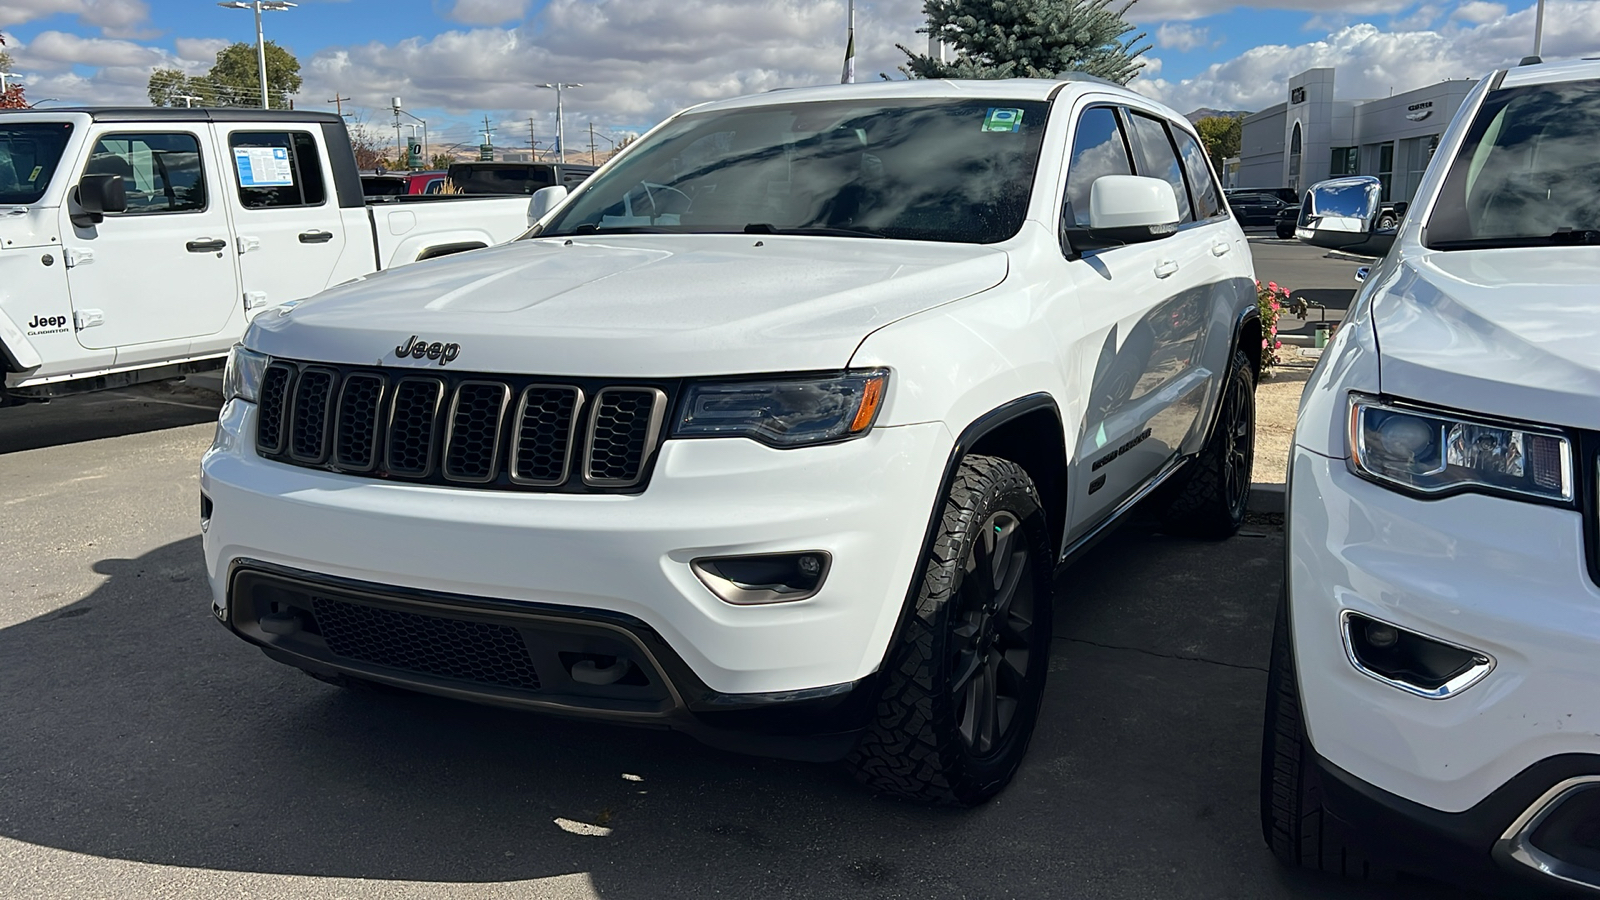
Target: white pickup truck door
[163, 271]
[285, 212]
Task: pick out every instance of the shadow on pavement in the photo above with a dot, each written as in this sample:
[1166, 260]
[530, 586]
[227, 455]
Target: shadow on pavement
[90, 417]
[137, 728]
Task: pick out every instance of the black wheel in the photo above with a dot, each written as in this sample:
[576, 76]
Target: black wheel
[1285, 229]
[1216, 491]
[1300, 833]
[963, 679]
[1388, 221]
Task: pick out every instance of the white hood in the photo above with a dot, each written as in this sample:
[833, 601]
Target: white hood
[636, 306]
[1510, 333]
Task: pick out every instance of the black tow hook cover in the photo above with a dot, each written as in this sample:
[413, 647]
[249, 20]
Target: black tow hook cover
[280, 623]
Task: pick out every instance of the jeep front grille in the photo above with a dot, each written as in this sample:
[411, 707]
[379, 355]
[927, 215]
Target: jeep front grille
[490, 431]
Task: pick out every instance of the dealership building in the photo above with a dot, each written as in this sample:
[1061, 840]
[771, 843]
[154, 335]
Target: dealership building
[1311, 136]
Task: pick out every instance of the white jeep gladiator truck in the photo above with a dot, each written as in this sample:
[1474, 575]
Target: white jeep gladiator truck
[775, 431]
[137, 244]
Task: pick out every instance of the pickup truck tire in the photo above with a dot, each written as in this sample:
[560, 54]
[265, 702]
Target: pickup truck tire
[1296, 827]
[1215, 493]
[962, 680]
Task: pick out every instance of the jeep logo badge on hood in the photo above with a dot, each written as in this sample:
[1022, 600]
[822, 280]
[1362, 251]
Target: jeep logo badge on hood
[417, 349]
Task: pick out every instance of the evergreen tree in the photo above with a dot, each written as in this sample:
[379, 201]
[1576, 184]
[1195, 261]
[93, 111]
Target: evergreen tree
[1030, 39]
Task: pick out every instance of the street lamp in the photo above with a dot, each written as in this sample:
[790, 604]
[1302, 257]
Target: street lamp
[561, 139]
[1538, 29]
[261, 42]
[398, 112]
[3, 77]
[188, 99]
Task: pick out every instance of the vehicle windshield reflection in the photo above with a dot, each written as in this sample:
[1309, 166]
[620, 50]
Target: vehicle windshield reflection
[930, 170]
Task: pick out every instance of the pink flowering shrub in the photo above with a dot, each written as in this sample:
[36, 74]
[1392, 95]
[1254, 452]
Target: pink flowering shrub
[1272, 301]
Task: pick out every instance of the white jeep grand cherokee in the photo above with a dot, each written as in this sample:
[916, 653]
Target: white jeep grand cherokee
[775, 431]
[1434, 700]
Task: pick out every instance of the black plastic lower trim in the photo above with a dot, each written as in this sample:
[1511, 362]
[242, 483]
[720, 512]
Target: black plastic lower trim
[1455, 847]
[816, 724]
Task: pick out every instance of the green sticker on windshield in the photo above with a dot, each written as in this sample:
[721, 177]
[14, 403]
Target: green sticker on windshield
[1003, 120]
[34, 175]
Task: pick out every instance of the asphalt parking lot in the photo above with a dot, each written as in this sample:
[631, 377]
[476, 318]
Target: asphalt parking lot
[145, 752]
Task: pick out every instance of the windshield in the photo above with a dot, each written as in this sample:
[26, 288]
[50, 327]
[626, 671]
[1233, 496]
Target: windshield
[1528, 173]
[28, 157]
[928, 170]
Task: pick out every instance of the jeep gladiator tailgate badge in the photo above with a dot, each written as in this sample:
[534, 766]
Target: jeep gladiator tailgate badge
[417, 349]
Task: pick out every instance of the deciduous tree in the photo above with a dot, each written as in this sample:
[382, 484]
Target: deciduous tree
[1222, 137]
[1030, 39]
[11, 97]
[234, 80]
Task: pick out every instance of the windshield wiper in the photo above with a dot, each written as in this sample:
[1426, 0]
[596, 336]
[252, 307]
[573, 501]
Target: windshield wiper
[1566, 237]
[821, 230]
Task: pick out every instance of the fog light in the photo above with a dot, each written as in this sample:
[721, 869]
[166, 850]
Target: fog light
[1412, 662]
[1382, 636]
[764, 578]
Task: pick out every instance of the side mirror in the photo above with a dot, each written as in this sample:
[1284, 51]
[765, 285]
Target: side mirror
[98, 195]
[1128, 209]
[1362, 273]
[544, 200]
[1340, 212]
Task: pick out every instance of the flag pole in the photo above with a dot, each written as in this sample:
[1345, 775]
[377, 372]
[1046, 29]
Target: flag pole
[849, 74]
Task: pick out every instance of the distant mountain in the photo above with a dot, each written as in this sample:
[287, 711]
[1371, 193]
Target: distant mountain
[1207, 112]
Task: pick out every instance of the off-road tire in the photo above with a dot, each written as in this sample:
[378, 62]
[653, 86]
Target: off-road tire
[922, 742]
[1283, 231]
[1296, 827]
[1214, 495]
[1387, 221]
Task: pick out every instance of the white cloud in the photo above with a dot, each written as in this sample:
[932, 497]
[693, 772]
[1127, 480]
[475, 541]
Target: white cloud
[1158, 10]
[117, 18]
[1479, 12]
[1422, 18]
[487, 12]
[1372, 61]
[51, 51]
[1180, 37]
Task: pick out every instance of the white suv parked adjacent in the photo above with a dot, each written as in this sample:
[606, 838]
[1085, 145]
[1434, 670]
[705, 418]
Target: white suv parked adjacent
[774, 431]
[1435, 687]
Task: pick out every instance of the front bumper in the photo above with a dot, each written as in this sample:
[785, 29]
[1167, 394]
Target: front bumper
[865, 502]
[1504, 578]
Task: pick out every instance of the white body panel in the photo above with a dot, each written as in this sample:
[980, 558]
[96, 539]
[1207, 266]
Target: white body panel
[1507, 334]
[134, 295]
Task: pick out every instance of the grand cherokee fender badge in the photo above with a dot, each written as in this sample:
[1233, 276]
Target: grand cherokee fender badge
[416, 349]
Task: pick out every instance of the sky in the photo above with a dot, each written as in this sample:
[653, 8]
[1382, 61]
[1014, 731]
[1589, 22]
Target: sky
[453, 62]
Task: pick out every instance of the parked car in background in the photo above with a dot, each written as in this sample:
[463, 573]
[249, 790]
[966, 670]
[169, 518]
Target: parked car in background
[1434, 690]
[1252, 208]
[1283, 224]
[137, 244]
[774, 432]
[515, 178]
[400, 184]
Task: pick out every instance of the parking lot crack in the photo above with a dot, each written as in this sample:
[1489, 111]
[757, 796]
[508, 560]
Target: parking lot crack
[1199, 659]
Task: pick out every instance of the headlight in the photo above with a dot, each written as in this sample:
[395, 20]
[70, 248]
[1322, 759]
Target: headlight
[1439, 452]
[785, 412]
[242, 377]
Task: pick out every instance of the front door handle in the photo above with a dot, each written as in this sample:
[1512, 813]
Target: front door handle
[1166, 268]
[315, 237]
[205, 245]
[1221, 248]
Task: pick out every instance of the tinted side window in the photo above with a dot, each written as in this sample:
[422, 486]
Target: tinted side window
[160, 171]
[1156, 159]
[1199, 171]
[277, 169]
[1097, 149]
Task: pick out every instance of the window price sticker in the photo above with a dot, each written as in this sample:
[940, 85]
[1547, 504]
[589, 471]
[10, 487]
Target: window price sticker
[263, 166]
[1007, 120]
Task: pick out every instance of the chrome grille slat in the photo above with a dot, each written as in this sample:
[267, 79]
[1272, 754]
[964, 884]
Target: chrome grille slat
[274, 400]
[309, 412]
[472, 435]
[360, 417]
[623, 425]
[541, 444]
[413, 419]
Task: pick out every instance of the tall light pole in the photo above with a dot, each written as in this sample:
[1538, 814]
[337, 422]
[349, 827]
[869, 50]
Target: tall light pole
[1538, 29]
[398, 112]
[561, 138]
[3, 77]
[188, 99]
[261, 41]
